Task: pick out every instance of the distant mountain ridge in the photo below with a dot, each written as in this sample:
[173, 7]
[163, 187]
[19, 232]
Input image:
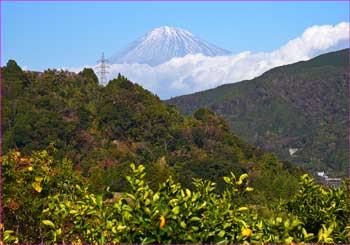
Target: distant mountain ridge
[163, 44]
[297, 111]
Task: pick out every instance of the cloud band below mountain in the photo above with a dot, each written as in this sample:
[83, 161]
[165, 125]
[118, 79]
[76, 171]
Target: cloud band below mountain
[194, 73]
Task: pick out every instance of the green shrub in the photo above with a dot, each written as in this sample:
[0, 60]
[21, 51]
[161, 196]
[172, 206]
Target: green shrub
[45, 201]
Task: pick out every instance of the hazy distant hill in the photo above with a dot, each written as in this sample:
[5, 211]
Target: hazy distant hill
[297, 111]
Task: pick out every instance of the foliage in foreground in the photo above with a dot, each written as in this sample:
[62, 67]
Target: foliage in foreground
[27, 184]
[45, 202]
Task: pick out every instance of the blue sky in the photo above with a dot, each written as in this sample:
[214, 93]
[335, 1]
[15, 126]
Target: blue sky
[42, 35]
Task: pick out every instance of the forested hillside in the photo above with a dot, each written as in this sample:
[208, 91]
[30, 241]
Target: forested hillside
[70, 146]
[298, 111]
[104, 129]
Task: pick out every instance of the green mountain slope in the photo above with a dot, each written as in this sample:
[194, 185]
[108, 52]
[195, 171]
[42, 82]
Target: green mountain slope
[297, 111]
[103, 129]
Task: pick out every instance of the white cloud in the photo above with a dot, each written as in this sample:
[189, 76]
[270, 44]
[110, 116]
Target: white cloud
[198, 72]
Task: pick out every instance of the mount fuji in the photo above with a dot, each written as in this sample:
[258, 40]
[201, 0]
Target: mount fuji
[163, 44]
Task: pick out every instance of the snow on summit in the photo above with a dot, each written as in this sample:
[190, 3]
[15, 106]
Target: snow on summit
[163, 44]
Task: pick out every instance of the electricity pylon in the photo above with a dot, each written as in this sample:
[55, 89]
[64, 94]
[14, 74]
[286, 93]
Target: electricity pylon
[102, 69]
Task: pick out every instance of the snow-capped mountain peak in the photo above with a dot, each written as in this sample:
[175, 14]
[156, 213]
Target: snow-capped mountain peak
[163, 44]
[166, 31]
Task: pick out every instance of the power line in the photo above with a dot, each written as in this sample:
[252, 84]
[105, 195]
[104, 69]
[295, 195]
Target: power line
[102, 69]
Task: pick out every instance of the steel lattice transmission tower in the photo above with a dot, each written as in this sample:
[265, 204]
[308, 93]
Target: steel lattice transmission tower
[102, 69]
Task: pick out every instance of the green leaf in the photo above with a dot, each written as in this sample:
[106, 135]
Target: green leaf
[156, 197]
[183, 224]
[288, 240]
[221, 233]
[176, 210]
[59, 231]
[147, 211]
[127, 215]
[195, 219]
[121, 227]
[78, 188]
[141, 168]
[99, 201]
[194, 228]
[241, 178]
[38, 179]
[148, 240]
[329, 240]
[221, 241]
[243, 209]
[48, 223]
[37, 187]
[227, 179]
